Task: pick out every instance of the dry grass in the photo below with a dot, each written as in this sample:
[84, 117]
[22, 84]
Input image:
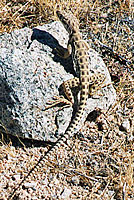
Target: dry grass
[101, 162]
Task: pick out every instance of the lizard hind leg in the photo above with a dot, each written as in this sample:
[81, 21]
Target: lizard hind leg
[67, 85]
[96, 82]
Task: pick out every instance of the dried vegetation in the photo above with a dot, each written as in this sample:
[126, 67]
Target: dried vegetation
[99, 162]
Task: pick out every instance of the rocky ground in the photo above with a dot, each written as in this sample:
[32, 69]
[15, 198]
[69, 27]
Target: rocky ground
[98, 163]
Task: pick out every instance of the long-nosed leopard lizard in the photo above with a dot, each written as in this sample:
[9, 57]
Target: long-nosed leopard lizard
[87, 84]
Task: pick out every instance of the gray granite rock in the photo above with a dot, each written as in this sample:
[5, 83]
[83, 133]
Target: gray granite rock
[30, 76]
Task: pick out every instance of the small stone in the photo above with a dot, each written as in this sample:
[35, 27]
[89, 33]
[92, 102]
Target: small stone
[104, 15]
[75, 180]
[16, 177]
[44, 182]
[30, 185]
[125, 126]
[111, 193]
[111, 118]
[66, 193]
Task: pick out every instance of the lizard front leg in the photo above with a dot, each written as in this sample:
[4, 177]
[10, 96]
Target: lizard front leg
[64, 52]
[66, 85]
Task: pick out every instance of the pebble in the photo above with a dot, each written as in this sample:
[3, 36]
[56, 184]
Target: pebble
[66, 193]
[30, 185]
[75, 180]
[125, 126]
[16, 177]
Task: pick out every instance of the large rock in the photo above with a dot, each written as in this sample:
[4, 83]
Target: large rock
[30, 76]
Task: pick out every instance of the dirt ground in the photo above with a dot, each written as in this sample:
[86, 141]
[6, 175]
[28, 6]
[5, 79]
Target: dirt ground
[99, 161]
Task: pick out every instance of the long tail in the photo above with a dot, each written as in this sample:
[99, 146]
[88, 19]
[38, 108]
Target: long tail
[72, 128]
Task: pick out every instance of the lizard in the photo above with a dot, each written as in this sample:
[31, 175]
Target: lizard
[84, 81]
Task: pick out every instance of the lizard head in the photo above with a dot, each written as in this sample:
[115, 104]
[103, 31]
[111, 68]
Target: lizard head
[69, 21]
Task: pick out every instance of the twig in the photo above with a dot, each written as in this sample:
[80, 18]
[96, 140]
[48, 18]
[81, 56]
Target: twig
[114, 54]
